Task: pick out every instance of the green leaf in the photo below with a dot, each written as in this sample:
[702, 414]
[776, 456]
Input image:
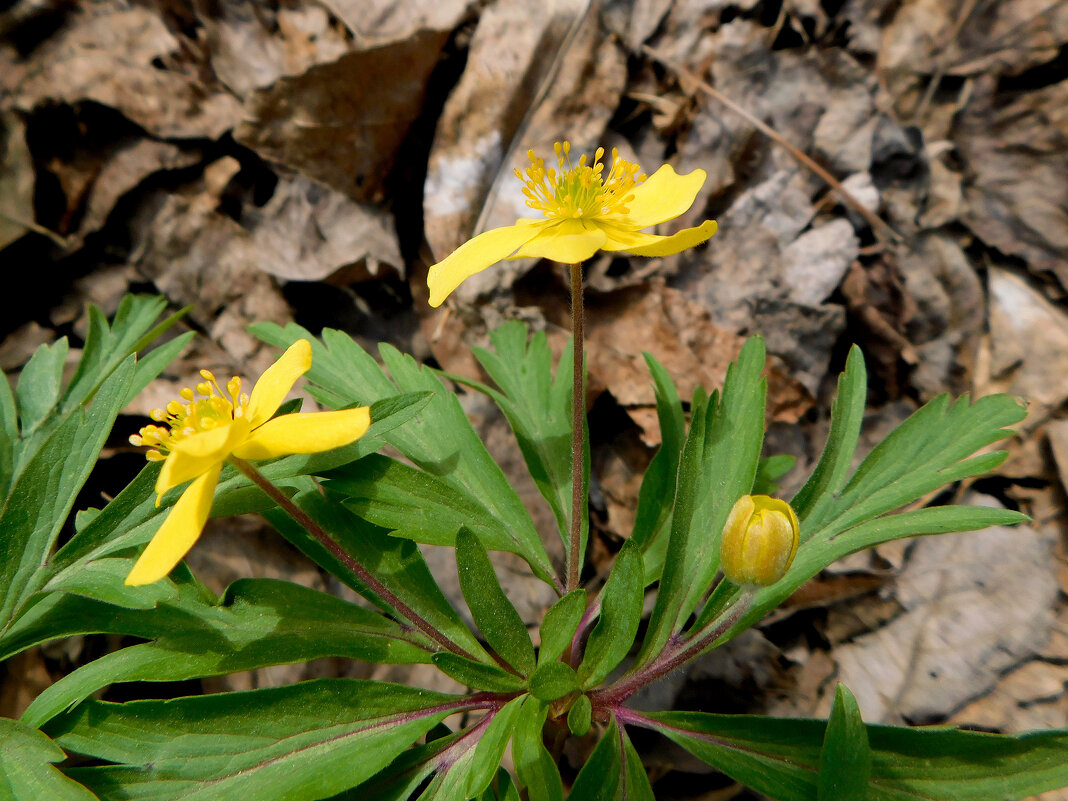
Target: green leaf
[415, 504]
[487, 755]
[553, 680]
[439, 441]
[847, 413]
[534, 765]
[634, 783]
[652, 518]
[613, 772]
[621, 613]
[305, 741]
[478, 675]
[580, 716]
[599, 778]
[845, 760]
[770, 470]
[781, 757]
[259, 623]
[37, 392]
[491, 610]
[474, 758]
[25, 770]
[9, 436]
[560, 624]
[718, 466]
[537, 404]
[45, 490]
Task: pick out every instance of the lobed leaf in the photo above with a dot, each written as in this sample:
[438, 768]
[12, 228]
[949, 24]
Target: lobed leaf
[439, 440]
[27, 770]
[305, 741]
[781, 757]
[259, 623]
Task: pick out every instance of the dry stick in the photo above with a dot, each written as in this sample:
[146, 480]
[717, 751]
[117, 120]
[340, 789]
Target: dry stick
[873, 219]
[298, 514]
[578, 411]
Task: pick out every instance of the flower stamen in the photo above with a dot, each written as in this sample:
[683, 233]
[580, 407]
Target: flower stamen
[201, 409]
[578, 191]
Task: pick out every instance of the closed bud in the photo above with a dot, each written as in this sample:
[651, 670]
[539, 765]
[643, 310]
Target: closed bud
[759, 540]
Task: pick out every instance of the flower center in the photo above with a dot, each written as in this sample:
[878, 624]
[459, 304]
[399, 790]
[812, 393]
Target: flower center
[576, 191]
[203, 410]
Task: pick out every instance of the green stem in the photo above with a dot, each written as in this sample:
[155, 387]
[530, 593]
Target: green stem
[324, 539]
[578, 413]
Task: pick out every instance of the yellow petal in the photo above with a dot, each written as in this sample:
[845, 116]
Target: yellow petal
[568, 242]
[663, 196]
[277, 380]
[178, 532]
[305, 433]
[639, 244]
[476, 255]
[199, 453]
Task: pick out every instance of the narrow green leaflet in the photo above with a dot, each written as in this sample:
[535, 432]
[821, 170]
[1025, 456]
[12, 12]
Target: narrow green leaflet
[415, 504]
[553, 680]
[27, 772]
[478, 675]
[46, 488]
[613, 772]
[718, 466]
[621, 613]
[780, 757]
[560, 624]
[845, 761]
[439, 440]
[599, 778]
[490, 749]
[491, 610]
[260, 622]
[847, 413]
[537, 404]
[580, 716]
[305, 741]
[39, 384]
[652, 518]
[534, 765]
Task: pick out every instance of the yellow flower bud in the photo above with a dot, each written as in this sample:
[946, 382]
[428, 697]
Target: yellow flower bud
[759, 540]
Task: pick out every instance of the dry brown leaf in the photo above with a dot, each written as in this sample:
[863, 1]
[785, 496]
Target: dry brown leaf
[17, 179]
[113, 55]
[1029, 338]
[1016, 168]
[976, 604]
[377, 21]
[342, 123]
[252, 44]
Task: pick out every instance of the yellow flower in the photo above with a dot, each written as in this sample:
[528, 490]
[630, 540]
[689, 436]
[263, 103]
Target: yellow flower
[759, 541]
[204, 429]
[584, 212]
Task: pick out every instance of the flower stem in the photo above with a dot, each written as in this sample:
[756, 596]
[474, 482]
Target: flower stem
[578, 413]
[676, 653]
[324, 539]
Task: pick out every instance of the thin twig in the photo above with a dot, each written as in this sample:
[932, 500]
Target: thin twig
[876, 222]
[578, 413]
